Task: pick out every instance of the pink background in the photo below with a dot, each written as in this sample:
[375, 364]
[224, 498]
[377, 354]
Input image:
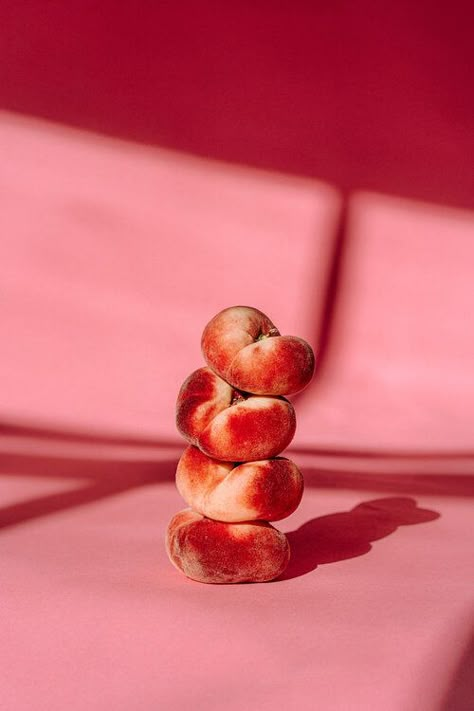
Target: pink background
[314, 161]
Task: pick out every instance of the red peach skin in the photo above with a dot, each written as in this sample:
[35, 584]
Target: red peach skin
[244, 347]
[215, 552]
[270, 489]
[229, 425]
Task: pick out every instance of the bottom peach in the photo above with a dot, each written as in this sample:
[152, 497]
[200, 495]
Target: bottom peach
[216, 552]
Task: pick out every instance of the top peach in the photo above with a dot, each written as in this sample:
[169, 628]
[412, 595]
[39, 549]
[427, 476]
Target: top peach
[244, 347]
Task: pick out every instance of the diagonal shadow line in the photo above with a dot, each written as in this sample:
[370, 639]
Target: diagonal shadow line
[322, 336]
[119, 477]
[24, 511]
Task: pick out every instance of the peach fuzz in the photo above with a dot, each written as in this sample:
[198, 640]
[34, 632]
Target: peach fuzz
[244, 347]
[216, 552]
[270, 489]
[229, 425]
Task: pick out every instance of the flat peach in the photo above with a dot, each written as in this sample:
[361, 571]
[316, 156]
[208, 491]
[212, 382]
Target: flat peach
[269, 489]
[230, 425]
[215, 552]
[244, 347]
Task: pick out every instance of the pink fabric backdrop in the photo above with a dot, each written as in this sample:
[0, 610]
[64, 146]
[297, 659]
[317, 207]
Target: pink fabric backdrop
[113, 257]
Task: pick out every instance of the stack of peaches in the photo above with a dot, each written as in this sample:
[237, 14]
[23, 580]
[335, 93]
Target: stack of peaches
[237, 421]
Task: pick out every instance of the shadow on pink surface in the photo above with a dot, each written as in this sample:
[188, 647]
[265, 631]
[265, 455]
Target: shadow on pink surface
[40, 432]
[13, 431]
[97, 462]
[460, 694]
[349, 534]
[361, 95]
[97, 479]
[323, 326]
[391, 482]
[326, 539]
